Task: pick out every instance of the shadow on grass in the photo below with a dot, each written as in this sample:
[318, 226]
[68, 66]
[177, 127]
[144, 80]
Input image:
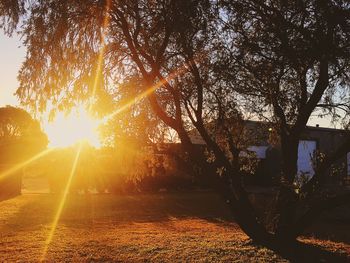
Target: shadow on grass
[333, 225]
[303, 252]
[7, 196]
[83, 210]
[86, 211]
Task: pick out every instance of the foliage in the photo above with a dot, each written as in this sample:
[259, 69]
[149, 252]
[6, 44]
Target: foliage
[10, 14]
[20, 135]
[203, 67]
[113, 170]
[133, 122]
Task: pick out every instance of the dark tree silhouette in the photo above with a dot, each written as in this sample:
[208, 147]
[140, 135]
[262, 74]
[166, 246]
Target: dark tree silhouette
[291, 57]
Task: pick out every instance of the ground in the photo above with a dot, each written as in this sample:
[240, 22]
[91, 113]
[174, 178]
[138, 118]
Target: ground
[162, 227]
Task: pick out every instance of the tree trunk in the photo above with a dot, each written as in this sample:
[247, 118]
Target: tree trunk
[233, 193]
[286, 203]
[237, 200]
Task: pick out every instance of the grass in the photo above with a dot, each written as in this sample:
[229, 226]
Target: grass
[164, 227]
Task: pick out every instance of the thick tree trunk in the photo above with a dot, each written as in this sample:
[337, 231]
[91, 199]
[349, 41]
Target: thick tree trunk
[286, 203]
[289, 147]
[237, 200]
[285, 210]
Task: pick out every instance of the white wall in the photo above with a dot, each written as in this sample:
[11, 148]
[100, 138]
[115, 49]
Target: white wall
[306, 151]
[260, 151]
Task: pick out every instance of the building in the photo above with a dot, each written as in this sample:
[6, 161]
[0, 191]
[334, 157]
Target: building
[313, 142]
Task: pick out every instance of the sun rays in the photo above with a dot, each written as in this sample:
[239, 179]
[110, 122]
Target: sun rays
[162, 82]
[57, 215]
[101, 52]
[21, 165]
[77, 155]
[60, 207]
[75, 127]
[61, 204]
[59, 131]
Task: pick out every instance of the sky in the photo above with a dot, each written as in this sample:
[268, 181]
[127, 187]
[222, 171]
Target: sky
[12, 54]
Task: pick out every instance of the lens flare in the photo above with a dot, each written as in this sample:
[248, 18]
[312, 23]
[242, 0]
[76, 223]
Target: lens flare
[66, 130]
[102, 50]
[77, 126]
[21, 165]
[162, 82]
[61, 204]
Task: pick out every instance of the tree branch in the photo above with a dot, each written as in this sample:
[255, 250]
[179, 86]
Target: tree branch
[320, 87]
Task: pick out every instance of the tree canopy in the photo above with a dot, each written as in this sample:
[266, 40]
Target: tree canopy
[199, 65]
[20, 135]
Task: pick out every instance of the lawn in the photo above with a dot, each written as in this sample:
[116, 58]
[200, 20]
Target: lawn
[163, 227]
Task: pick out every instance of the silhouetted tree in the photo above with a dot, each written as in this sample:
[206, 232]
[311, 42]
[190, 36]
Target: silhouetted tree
[290, 59]
[135, 125]
[203, 65]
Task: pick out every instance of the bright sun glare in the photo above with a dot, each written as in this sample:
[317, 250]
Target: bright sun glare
[67, 130]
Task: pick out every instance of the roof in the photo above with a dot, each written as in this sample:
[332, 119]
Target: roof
[197, 139]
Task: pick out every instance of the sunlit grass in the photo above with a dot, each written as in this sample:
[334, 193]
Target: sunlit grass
[170, 227]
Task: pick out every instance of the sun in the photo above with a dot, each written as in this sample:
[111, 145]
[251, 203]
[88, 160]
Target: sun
[77, 126]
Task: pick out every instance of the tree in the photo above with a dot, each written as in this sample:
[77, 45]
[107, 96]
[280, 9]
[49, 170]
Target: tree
[10, 12]
[20, 138]
[202, 64]
[20, 135]
[293, 58]
[135, 125]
